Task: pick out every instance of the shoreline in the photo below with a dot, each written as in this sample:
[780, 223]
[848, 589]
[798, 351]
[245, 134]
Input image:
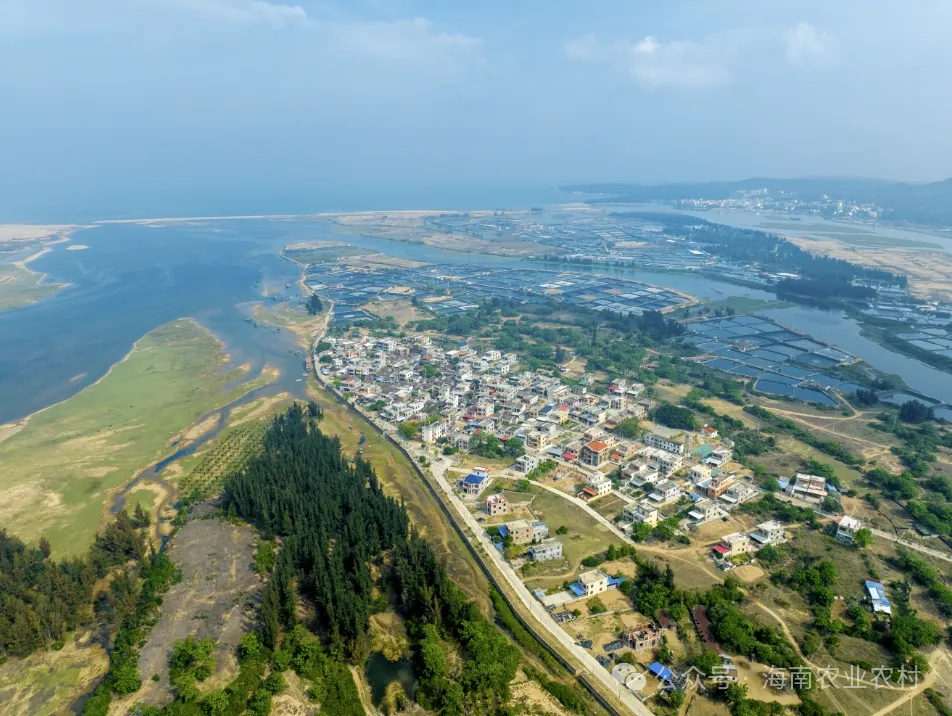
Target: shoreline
[24, 421]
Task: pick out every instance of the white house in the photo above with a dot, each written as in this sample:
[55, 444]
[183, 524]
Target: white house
[527, 463]
[700, 473]
[809, 488]
[733, 544]
[704, 510]
[770, 532]
[665, 492]
[596, 486]
[644, 511]
[846, 528]
[593, 582]
[548, 550]
[672, 441]
[432, 432]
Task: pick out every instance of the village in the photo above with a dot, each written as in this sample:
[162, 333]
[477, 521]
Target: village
[555, 473]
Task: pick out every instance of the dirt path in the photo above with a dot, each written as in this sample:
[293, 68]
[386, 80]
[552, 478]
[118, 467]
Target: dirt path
[365, 699]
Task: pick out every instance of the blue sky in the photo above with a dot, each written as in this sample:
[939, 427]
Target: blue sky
[111, 100]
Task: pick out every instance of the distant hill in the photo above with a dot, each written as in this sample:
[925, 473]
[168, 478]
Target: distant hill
[929, 204]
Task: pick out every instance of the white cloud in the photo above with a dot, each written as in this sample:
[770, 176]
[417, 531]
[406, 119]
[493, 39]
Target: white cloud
[804, 45]
[582, 48]
[402, 39]
[656, 65]
[674, 64]
[243, 11]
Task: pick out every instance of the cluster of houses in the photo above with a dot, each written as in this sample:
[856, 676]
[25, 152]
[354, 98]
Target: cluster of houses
[460, 392]
[710, 482]
[742, 543]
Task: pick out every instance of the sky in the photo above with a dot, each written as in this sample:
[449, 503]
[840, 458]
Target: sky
[120, 106]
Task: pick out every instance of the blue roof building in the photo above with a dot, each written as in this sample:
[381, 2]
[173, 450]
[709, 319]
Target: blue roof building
[473, 484]
[661, 671]
[877, 598]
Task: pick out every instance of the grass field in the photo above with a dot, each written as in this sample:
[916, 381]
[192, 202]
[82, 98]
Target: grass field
[49, 682]
[60, 464]
[19, 286]
[743, 304]
[585, 536]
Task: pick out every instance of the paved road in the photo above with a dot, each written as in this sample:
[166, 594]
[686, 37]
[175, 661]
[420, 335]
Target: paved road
[945, 556]
[484, 547]
[543, 618]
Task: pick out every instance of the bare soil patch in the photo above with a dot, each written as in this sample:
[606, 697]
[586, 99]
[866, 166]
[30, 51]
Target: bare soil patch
[215, 599]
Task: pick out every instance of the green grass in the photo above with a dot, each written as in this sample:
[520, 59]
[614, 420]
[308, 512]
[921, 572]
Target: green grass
[743, 304]
[60, 467]
[144, 497]
[585, 536]
[19, 286]
[48, 682]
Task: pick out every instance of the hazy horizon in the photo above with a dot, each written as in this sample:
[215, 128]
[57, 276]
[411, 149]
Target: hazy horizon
[117, 108]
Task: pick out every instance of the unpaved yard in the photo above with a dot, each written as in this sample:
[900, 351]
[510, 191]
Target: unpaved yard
[215, 599]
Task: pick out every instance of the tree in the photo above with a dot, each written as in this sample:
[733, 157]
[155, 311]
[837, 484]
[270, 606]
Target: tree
[314, 305]
[675, 416]
[674, 698]
[706, 661]
[410, 429]
[215, 703]
[863, 537]
[596, 606]
[735, 693]
[141, 518]
[915, 411]
[829, 504]
[628, 428]
[865, 397]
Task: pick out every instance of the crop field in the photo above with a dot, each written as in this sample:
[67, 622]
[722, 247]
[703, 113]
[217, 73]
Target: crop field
[61, 464]
[232, 449]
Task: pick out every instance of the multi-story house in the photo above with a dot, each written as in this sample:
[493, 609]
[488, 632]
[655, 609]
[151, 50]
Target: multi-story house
[497, 505]
[597, 485]
[527, 463]
[809, 488]
[719, 484]
[643, 637]
[665, 493]
[548, 550]
[644, 511]
[704, 511]
[672, 441]
[432, 432]
[593, 582]
[770, 532]
[594, 453]
[847, 527]
[520, 531]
